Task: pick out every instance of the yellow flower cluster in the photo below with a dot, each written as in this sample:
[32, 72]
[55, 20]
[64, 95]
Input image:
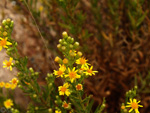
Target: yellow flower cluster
[12, 84]
[73, 68]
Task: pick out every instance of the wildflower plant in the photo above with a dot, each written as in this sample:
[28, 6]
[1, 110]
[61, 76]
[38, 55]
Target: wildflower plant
[48, 98]
[131, 104]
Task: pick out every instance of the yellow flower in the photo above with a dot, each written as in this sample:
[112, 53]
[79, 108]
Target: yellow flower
[8, 103]
[8, 64]
[2, 84]
[4, 43]
[14, 81]
[57, 59]
[64, 89]
[89, 71]
[13, 86]
[7, 85]
[79, 87]
[134, 105]
[65, 60]
[57, 111]
[82, 61]
[41, 8]
[66, 105]
[60, 72]
[72, 74]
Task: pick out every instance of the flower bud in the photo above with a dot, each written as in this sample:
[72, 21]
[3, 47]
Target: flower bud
[59, 46]
[135, 87]
[19, 86]
[34, 95]
[56, 101]
[50, 85]
[69, 39]
[64, 34]
[64, 43]
[16, 62]
[5, 33]
[36, 73]
[79, 53]
[72, 40]
[103, 105]
[65, 60]
[6, 27]
[36, 108]
[31, 70]
[57, 59]
[60, 41]
[1, 28]
[125, 111]
[16, 43]
[76, 44]
[57, 96]
[130, 91]
[49, 75]
[8, 20]
[50, 110]
[12, 22]
[4, 22]
[71, 46]
[63, 48]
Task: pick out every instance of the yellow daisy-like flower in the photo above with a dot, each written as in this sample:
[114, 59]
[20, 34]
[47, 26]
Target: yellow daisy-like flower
[89, 71]
[8, 103]
[82, 61]
[64, 89]
[79, 87]
[4, 43]
[2, 84]
[134, 105]
[66, 105]
[14, 81]
[60, 72]
[8, 64]
[13, 86]
[72, 74]
[7, 85]
[57, 111]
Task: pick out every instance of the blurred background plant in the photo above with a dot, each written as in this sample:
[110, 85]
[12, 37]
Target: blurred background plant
[113, 34]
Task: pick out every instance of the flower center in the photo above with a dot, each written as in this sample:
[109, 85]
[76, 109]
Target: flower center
[72, 74]
[14, 81]
[134, 105]
[63, 89]
[59, 72]
[79, 87]
[65, 105]
[3, 42]
[82, 61]
[8, 103]
[89, 71]
[8, 64]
